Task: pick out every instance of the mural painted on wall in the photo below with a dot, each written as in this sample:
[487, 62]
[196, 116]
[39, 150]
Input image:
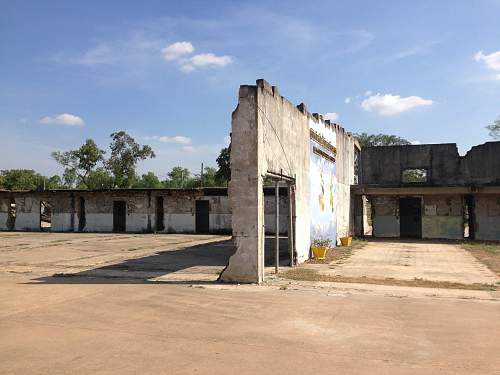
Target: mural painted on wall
[323, 175]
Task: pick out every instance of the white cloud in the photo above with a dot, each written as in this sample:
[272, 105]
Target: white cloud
[415, 142]
[178, 139]
[347, 100]
[492, 61]
[332, 116]
[180, 52]
[209, 59]
[204, 60]
[388, 104]
[189, 149]
[63, 119]
[176, 50]
[368, 93]
[227, 140]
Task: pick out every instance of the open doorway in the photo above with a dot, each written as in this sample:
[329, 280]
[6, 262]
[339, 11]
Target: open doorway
[202, 213]
[11, 215]
[81, 214]
[119, 216]
[410, 211]
[160, 212]
[45, 216]
[279, 222]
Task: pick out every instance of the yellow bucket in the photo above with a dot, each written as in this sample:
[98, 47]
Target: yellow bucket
[346, 241]
[319, 252]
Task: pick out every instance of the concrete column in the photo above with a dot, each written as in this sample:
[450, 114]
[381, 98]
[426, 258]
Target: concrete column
[291, 229]
[277, 234]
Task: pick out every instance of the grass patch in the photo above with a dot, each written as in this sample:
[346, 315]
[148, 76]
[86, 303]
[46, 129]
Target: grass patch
[487, 253]
[307, 274]
[339, 253]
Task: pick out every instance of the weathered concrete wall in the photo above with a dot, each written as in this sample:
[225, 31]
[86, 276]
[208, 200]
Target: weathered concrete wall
[4, 213]
[285, 150]
[27, 213]
[487, 215]
[270, 214]
[179, 209]
[383, 165]
[385, 216]
[269, 135]
[443, 217]
[346, 146]
[272, 136]
[245, 191]
[481, 165]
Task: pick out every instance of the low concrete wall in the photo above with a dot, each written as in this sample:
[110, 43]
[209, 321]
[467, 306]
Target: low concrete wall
[443, 217]
[487, 217]
[385, 216]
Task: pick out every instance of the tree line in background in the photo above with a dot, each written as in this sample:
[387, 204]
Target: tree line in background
[88, 168]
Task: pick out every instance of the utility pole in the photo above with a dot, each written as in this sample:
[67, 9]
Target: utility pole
[201, 176]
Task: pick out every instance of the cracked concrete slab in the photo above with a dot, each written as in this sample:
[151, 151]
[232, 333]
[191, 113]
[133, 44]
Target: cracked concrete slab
[405, 260]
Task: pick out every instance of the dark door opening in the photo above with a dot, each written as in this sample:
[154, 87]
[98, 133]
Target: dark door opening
[202, 216]
[45, 216]
[160, 225]
[81, 214]
[119, 216]
[410, 216]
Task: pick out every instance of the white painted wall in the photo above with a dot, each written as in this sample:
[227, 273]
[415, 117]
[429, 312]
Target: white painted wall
[4, 217]
[27, 221]
[102, 222]
[180, 223]
[61, 222]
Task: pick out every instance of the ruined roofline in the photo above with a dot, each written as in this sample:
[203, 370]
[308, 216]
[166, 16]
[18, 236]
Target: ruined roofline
[119, 190]
[419, 145]
[316, 117]
[474, 148]
[207, 191]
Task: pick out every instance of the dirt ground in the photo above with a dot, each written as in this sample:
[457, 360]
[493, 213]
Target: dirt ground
[118, 314]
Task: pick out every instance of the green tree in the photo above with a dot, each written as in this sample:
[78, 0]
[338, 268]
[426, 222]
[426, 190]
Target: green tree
[209, 177]
[70, 178]
[99, 179]
[366, 139]
[494, 129]
[223, 174]
[54, 182]
[148, 180]
[125, 153]
[80, 162]
[21, 179]
[178, 177]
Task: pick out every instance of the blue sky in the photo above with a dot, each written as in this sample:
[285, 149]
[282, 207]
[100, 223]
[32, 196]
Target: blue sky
[168, 72]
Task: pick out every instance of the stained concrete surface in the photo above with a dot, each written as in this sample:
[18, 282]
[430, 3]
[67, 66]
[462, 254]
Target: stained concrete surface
[95, 325]
[115, 257]
[409, 260]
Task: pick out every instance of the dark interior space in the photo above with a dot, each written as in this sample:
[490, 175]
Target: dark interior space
[119, 216]
[410, 211]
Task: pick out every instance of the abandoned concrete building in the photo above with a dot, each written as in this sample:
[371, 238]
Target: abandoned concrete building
[429, 191]
[201, 211]
[325, 187]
